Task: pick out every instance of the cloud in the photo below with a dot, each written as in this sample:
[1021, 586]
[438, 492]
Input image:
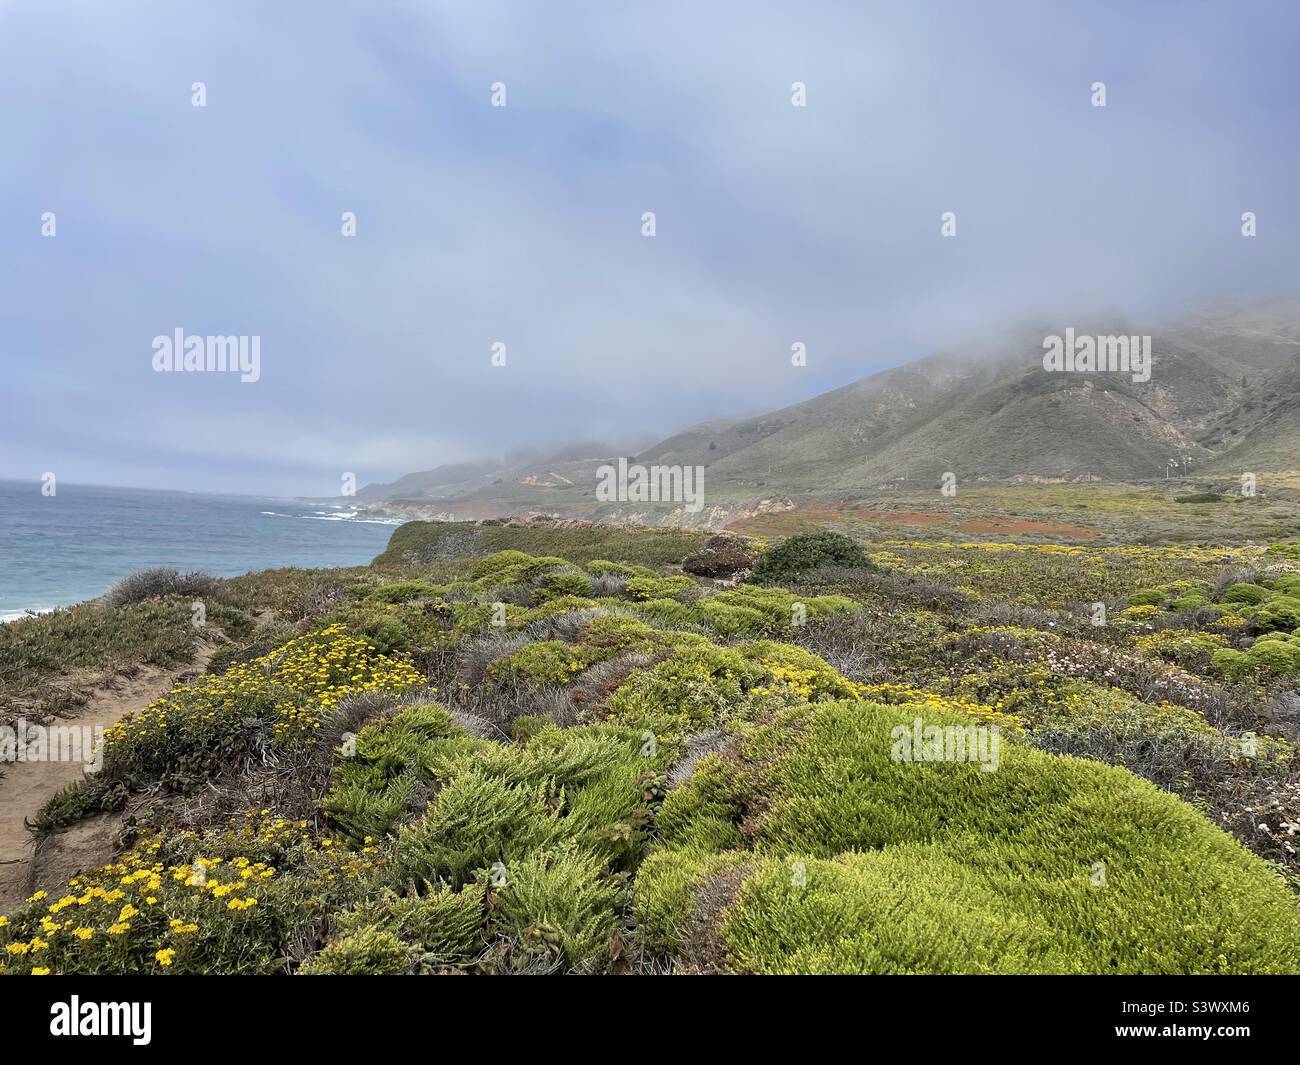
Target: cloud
[521, 225]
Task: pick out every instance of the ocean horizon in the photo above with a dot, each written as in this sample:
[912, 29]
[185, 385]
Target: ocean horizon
[56, 551]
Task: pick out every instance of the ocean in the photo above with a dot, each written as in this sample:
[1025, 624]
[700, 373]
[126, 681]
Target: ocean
[66, 548]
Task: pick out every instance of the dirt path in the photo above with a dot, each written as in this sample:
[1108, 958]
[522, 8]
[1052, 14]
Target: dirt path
[27, 785]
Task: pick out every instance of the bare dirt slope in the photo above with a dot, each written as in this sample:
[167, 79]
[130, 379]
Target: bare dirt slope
[26, 786]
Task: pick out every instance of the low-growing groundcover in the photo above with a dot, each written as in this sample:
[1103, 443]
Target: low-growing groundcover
[864, 864]
[546, 765]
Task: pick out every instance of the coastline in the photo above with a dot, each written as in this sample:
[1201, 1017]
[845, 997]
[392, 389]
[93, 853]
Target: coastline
[64, 551]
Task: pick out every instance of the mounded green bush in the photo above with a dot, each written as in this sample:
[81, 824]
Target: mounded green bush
[388, 635]
[679, 588]
[547, 662]
[473, 822]
[368, 952]
[603, 567]
[557, 901]
[404, 591]
[619, 632]
[562, 583]
[781, 610]
[668, 611]
[444, 925]
[549, 609]
[697, 688]
[809, 551]
[1048, 864]
[1279, 612]
[731, 620]
[1287, 584]
[1274, 652]
[1250, 594]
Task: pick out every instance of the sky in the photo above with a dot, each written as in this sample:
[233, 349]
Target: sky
[522, 225]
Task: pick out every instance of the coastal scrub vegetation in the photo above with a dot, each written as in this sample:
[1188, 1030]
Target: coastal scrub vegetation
[539, 760]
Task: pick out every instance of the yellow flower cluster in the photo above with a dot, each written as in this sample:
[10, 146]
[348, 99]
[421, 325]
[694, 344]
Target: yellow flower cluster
[291, 686]
[904, 695]
[145, 906]
[1189, 554]
[787, 679]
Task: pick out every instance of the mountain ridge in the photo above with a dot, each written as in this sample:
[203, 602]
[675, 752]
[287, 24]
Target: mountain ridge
[1223, 397]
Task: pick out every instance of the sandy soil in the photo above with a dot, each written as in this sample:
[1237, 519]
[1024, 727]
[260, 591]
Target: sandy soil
[27, 785]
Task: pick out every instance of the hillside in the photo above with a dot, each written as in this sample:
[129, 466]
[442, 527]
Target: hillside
[1222, 399]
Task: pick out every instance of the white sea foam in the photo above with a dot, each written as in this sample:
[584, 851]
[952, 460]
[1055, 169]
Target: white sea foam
[18, 615]
[325, 515]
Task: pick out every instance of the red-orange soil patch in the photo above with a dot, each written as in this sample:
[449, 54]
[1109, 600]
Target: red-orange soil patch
[904, 517]
[1025, 527]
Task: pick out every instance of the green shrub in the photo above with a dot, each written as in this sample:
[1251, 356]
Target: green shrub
[494, 565]
[1287, 584]
[1279, 612]
[732, 620]
[473, 822]
[369, 809]
[696, 688]
[1275, 656]
[386, 634]
[1276, 652]
[667, 611]
[68, 805]
[1047, 864]
[403, 592]
[779, 609]
[445, 925]
[1147, 597]
[1232, 663]
[679, 588]
[603, 567]
[549, 609]
[1250, 594]
[809, 551]
[619, 632]
[547, 662]
[560, 902]
[367, 952]
[563, 583]
[514, 567]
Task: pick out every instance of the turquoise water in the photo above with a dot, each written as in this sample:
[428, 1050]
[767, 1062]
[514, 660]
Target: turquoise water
[59, 550]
